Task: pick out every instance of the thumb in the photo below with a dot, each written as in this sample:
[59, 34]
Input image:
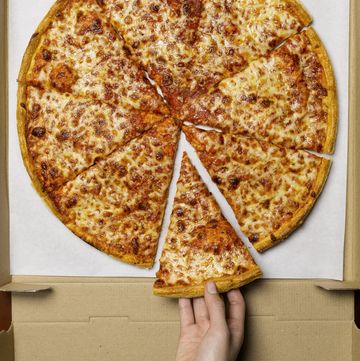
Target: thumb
[215, 306]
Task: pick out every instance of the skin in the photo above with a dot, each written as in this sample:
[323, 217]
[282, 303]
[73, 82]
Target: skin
[208, 330]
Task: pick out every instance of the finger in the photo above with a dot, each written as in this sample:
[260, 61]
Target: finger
[236, 309]
[186, 313]
[215, 306]
[200, 310]
[236, 319]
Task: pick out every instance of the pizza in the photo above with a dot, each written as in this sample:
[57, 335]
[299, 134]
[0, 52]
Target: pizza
[270, 189]
[107, 86]
[200, 245]
[117, 205]
[188, 45]
[287, 98]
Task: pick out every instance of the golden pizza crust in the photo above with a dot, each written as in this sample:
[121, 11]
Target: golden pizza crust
[299, 217]
[35, 40]
[137, 260]
[223, 284]
[300, 11]
[332, 120]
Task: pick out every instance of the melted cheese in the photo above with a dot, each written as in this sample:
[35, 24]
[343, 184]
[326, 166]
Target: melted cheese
[265, 185]
[81, 43]
[118, 204]
[194, 44]
[66, 135]
[160, 35]
[200, 243]
[281, 99]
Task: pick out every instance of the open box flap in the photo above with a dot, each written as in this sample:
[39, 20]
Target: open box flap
[21, 287]
[331, 285]
[122, 315]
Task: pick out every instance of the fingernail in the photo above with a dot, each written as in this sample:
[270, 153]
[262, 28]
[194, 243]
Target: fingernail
[211, 288]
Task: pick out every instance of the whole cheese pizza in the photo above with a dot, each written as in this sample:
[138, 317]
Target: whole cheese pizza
[107, 86]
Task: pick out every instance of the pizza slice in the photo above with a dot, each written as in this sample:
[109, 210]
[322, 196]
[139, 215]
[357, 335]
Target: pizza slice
[200, 245]
[231, 34]
[61, 135]
[76, 50]
[287, 98]
[117, 205]
[270, 189]
[160, 34]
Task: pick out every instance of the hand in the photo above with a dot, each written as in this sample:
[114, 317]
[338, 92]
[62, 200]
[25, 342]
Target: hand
[205, 332]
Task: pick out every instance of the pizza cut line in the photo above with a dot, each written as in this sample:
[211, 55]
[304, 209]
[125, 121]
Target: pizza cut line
[99, 140]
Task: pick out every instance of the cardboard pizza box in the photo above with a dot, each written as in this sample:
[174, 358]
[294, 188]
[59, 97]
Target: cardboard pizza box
[71, 318]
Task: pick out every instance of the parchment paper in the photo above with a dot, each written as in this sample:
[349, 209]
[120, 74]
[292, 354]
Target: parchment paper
[42, 245]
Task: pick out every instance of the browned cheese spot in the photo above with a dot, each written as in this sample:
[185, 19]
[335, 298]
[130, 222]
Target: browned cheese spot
[63, 78]
[38, 132]
[253, 237]
[180, 226]
[71, 202]
[135, 245]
